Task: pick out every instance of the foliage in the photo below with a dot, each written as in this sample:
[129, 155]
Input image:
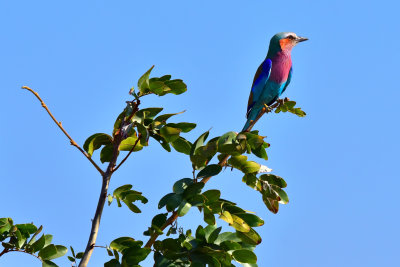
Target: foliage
[133, 130]
[24, 238]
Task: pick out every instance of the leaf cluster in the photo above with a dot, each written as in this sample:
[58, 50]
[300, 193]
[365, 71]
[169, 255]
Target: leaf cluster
[289, 106]
[208, 247]
[23, 238]
[127, 252]
[127, 196]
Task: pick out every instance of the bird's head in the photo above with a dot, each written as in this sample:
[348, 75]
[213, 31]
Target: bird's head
[284, 41]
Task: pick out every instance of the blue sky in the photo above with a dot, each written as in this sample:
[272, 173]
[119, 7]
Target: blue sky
[82, 57]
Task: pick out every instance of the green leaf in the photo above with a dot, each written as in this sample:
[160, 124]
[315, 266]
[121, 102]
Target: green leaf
[239, 224]
[119, 190]
[79, 255]
[272, 204]
[284, 199]
[47, 239]
[169, 133]
[181, 185]
[47, 263]
[237, 161]
[173, 202]
[183, 208]
[71, 259]
[20, 239]
[144, 134]
[28, 228]
[283, 108]
[133, 196]
[214, 235]
[132, 206]
[143, 82]
[5, 224]
[261, 152]
[250, 167]
[162, 86]
[230, 245]
[159, 220]
[200, 233]
[183, 126]
[163, 200]
[245, 256]
[298, 112]
[251, 219]
[52, 252]
[197, 200]
[128, 143]
[106, 153]
[199, 142]
[122, 243]
[290, 104]
[177, 86]
[110, 199]
[182, 145]
[193, 190]
[273, 179]
[164, 117]
[39, 244]
[72, 251]
[134, 255]
[95, 141]
[212, 195]
[147, 113]
[251, 237]
[251, 180]
[226, 216]
[227, 236]
[210, 170]
[208, 216]
[112, 263]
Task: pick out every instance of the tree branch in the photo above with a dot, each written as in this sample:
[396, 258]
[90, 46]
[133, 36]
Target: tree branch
[222, 163]
[63, 130]
[17, 250]
[118, 138]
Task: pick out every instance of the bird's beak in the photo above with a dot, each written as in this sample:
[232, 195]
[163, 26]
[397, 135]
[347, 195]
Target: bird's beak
[301, 39]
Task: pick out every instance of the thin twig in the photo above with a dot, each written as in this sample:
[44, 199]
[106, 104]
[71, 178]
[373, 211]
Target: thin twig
[17, 250]
[63, 130]
[222, 163]
[130, 152]
[153, 238]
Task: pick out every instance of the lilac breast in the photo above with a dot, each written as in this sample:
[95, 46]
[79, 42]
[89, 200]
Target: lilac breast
[281, 64]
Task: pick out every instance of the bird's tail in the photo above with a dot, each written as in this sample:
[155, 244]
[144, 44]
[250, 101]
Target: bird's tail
[253, 114]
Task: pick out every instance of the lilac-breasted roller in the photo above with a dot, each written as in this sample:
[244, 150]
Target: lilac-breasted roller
[273, 75]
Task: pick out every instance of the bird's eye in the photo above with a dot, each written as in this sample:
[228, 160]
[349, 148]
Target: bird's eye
[291, 37]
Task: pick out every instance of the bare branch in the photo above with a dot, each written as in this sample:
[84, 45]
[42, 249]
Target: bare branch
[63, 130]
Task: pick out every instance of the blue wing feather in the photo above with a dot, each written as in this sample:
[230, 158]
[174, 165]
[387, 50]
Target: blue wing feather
[260, 79]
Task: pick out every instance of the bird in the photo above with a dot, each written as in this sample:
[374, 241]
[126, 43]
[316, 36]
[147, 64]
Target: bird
[273, 75]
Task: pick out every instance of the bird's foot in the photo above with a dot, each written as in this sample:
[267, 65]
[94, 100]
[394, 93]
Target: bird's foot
[266, 108]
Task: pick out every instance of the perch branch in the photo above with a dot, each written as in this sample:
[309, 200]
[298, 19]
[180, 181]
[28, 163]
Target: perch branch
[63, 130]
